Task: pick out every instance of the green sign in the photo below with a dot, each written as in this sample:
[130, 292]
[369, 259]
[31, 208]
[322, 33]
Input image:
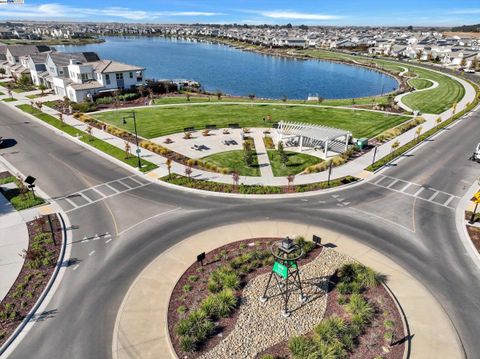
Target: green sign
[280, 269]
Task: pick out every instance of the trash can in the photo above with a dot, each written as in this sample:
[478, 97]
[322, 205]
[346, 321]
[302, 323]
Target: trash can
[362, 143]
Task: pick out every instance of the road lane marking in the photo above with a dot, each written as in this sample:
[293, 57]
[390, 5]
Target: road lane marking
[91, 253]
[108, 240]
[418, 192]
[391, 184]
[404, 188]
[432, 197]
[76, 267]
[447, 202]
[148, 219]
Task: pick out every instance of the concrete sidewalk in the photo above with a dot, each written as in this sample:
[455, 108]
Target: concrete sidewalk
[13, 239]
[141, 325]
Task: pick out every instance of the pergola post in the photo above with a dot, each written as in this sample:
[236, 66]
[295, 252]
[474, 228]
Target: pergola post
[301, 143]
[325, 153]
[347, 138]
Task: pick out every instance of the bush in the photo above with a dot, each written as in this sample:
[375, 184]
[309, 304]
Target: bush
[192, 278]
[219, 305]
[358, 306]
[302, 347]
[194, 330]
[187, 288]
[223, 278]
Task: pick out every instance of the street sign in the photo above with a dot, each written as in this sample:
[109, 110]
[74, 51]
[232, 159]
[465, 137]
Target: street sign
[476, 198]
[280, 269]
[138, 150]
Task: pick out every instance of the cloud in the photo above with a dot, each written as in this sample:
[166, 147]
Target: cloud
[466, 11]
[58, 11]
[283, 14]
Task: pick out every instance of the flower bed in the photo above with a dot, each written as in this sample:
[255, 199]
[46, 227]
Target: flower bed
[204, 304]
[45, 243]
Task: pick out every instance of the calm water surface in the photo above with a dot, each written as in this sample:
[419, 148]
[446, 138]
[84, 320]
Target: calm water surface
[236, 72]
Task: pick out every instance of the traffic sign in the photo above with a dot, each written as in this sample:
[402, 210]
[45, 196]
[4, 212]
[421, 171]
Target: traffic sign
[476, 198]
[138, 150]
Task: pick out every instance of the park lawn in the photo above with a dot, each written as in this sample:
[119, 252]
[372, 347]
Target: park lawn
[169, 100]
[420, 84]
[9, 99]
[233, 160]
[159, 121]
[435, 101]
[297, 162]
[90, 140]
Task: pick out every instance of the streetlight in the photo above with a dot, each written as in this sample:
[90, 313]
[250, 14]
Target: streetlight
[124, 121]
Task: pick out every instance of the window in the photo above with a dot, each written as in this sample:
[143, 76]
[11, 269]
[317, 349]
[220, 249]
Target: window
[84, 77]
[119, 75]
[107, 77]
[131, 75]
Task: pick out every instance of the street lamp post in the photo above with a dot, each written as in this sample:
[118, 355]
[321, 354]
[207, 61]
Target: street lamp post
[124, 120]
[374, 154]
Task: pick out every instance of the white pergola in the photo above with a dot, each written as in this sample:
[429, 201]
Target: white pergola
[309, 135]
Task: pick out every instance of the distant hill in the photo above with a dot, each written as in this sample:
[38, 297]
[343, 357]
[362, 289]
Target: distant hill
[467, 28]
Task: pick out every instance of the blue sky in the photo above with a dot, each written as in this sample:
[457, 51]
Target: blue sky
[310, 12]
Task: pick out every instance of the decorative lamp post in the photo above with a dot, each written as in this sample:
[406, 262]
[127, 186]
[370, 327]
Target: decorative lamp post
[124, 121]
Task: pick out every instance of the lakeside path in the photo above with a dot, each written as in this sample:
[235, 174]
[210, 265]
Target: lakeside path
[355, 167]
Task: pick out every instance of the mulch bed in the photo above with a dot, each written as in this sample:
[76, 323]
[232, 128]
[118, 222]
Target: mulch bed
[474, 233]
[371, 343]
[38, 277]
[191, 300]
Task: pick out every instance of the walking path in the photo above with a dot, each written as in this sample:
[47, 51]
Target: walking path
[352, 168]
[141, 325]
[262, 156]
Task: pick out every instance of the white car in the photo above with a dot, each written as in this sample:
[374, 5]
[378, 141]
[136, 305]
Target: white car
[470, 71]
[476, 154]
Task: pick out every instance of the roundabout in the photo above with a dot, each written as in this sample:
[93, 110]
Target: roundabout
[141, 329]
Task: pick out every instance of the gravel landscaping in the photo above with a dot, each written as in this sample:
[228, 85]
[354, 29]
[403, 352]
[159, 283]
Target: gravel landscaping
[347, 311]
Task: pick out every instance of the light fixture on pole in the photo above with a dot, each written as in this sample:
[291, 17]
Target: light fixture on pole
[137, 151]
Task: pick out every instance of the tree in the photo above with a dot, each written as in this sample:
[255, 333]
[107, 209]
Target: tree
[438, 120]
[24, 81]
[252, 96]
[2, 71]
[89, 131]
[127, 150]
[463, 62]
[235, 178]
[219, 96]
[282, 154]
[320, 99]
[284, 98]
[290, 179]
[418, 132]
[188, 171]
[42, 88]
[454, 107]
[247, 153]
[188, 97]
[475, 64]
[395, 146]
[168, 162]
[60, 117]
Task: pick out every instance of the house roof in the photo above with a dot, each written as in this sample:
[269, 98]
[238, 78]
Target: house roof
[25, 50]
[63, 58]
[40, 58]
[88, 85]
[109, 66]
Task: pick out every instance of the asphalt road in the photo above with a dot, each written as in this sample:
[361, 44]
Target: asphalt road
[418, 234]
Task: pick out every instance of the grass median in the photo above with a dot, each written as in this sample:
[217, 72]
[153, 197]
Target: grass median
[90, 140]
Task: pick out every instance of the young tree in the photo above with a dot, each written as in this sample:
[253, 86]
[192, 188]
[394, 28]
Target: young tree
[438, 120]
[168, 162]
[282, 154]
[252, 96]
[89, 131]
[418, 132]
[60, 117]
[235, 178]
[320, 99]
[42, 88]
[219, 95]
[395, 146]
[127, 150]
[188, 171]
[290, 179]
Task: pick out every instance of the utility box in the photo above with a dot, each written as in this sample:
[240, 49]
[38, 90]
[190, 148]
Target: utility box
[361, 143]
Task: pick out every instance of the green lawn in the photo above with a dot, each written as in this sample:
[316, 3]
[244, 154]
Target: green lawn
[434, 101]
[20, 201]
[31, 97]
[297, 162]
[90, 140]
[234, 161]
[159, 121]
[9, 99]
[420, 84]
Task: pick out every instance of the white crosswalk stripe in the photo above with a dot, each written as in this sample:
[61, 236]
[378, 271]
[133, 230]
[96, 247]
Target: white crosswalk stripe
[81, 199]
[411, 189]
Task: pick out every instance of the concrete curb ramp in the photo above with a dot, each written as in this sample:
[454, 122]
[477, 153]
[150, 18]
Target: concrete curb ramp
[141, 325]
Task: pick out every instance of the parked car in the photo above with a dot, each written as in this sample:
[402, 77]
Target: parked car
[470, 71]
[1, 141]
[476, 154]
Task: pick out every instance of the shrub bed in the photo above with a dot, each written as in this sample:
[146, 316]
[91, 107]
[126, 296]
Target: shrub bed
[397, 131]
[204, 304]
[361, 321]
[44, 248]
[253, 189]
[20, 197]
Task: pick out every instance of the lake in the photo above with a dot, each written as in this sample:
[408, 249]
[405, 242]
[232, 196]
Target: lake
[235, 72]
